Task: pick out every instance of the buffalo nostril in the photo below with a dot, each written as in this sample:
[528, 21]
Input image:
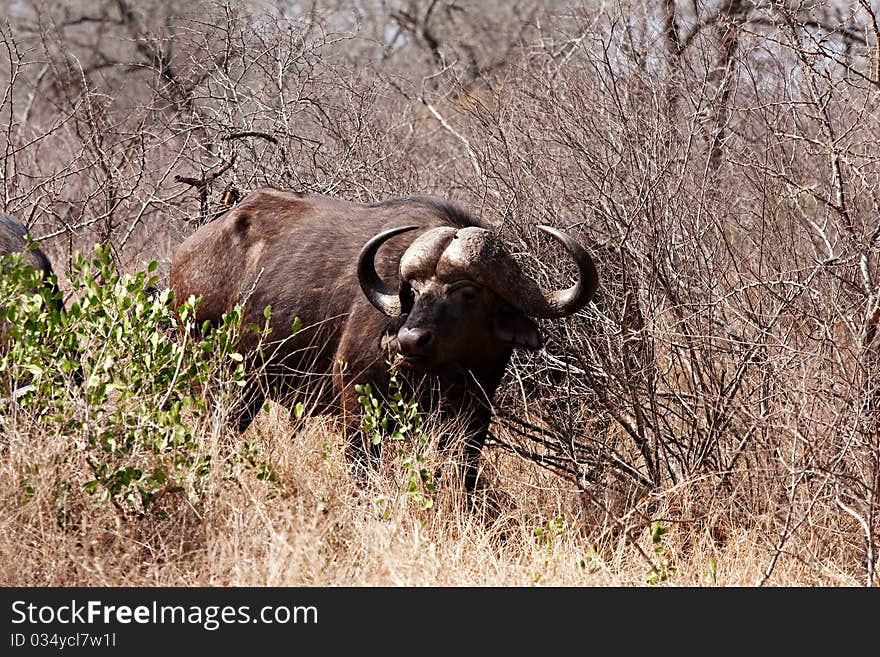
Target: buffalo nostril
[414, 341]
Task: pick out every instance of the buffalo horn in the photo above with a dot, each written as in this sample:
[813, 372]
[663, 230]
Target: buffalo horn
[384, 298]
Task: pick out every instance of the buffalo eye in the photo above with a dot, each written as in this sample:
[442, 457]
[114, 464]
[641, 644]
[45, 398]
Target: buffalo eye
[467, 293]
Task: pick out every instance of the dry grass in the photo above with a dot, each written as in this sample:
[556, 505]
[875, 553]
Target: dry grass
[314, 527]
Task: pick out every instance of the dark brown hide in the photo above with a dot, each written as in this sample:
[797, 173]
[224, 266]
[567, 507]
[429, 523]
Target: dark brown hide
[13, 240]
[299, 254]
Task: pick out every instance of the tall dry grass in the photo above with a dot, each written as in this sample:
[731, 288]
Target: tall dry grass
[314, 527]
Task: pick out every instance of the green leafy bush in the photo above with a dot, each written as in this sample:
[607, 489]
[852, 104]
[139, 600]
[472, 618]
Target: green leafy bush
[663, 569]
[398, 420]
[118, 377]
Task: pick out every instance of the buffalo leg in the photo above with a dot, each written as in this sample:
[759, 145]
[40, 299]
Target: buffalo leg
[472, 449]
[361, 454]
[249, 404]
[470, 461]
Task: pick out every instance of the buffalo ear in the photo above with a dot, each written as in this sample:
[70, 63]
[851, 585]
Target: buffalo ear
[519, 330]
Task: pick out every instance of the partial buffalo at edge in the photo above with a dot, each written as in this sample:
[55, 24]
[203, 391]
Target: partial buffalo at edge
[13, 239]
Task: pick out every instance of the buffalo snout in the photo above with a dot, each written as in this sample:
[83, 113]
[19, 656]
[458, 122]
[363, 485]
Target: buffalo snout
[414, 343]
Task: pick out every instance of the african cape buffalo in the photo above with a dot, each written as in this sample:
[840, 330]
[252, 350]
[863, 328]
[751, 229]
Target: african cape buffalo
[14, 239]
[418, 280]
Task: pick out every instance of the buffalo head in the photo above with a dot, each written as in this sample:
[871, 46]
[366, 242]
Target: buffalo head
[463, 302]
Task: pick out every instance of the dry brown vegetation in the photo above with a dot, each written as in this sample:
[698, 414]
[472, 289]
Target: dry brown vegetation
[718, 159]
